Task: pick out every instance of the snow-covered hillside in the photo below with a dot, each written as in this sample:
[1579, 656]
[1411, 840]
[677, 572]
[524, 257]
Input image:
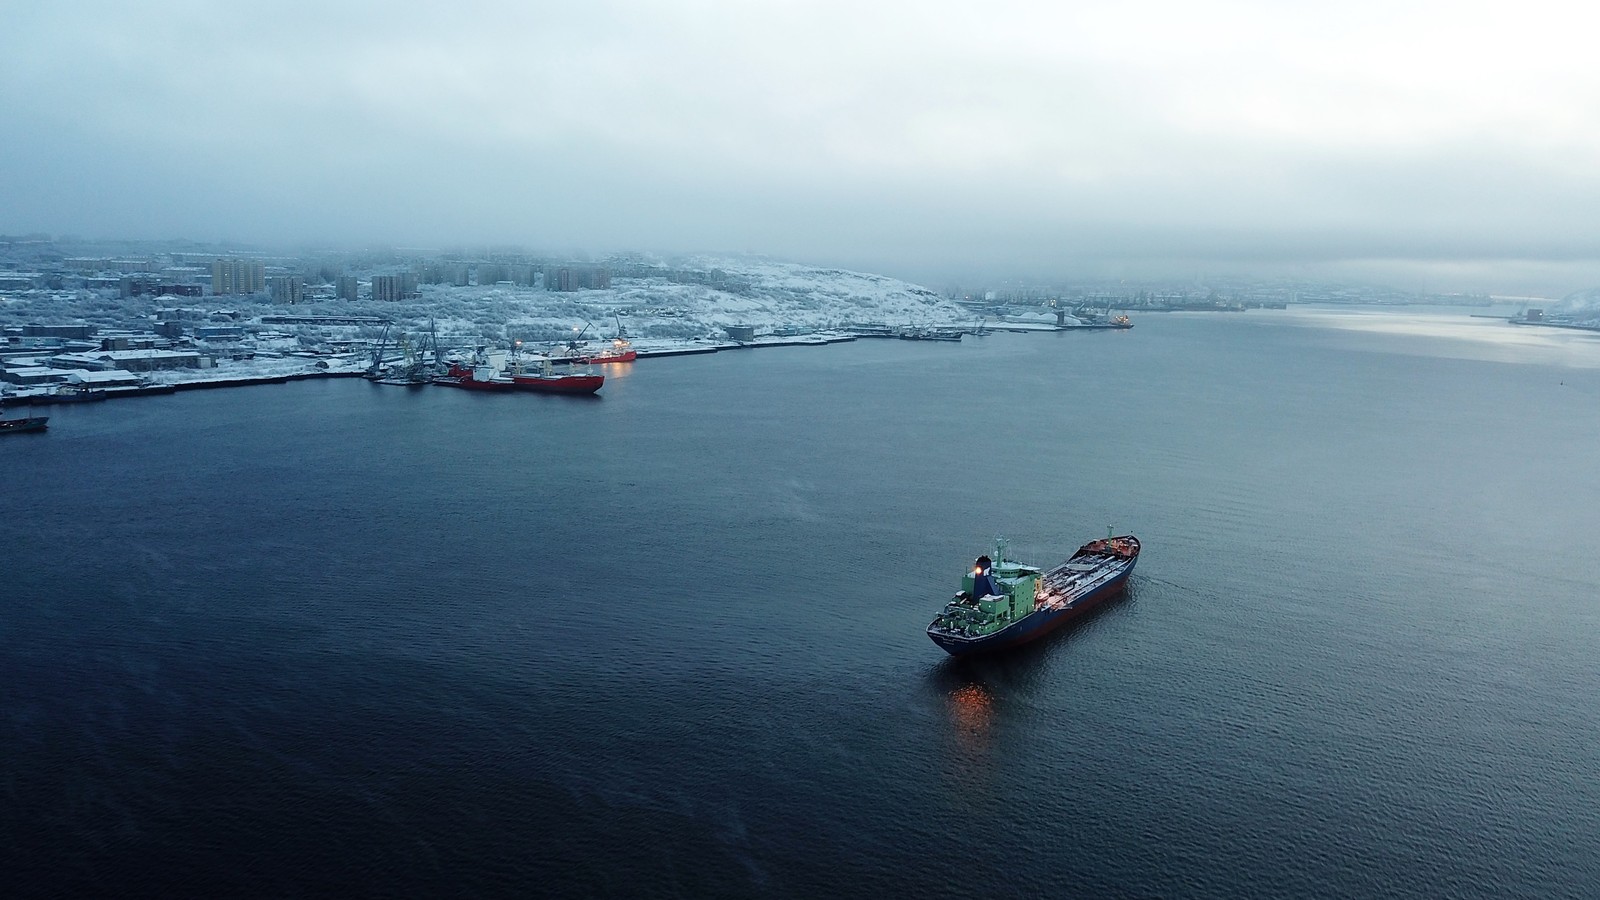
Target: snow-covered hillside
[686, 300]
[1581, 305]
[764, 295]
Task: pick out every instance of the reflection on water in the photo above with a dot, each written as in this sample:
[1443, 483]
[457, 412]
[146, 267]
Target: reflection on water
[1465, 336]
[972, 716]
[971, 708]
[613, 371]
[985, 700]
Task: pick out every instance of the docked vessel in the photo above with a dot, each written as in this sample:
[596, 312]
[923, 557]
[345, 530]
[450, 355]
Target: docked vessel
[552, 382]
[620, 351]
[929, 334]
[1004, 603]
[405, 379]
[20, 426]
[1088, 319]
[78, 393]
[473, 378]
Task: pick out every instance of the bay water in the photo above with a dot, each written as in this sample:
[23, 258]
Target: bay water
[334, 637]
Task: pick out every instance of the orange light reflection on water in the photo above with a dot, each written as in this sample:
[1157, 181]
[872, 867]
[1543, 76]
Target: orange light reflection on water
[970, 763]
[614, 371]
[972, 713]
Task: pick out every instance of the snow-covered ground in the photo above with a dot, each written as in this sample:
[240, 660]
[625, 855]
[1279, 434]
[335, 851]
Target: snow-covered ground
[1582, 306]
[763, 295]
[687, 306]
[722, 292]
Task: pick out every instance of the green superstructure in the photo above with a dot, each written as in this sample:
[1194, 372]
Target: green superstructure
[1006, 603]
[1018, 587]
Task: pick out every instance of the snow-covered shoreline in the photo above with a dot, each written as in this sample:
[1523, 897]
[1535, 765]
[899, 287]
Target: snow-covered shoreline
[280, 370]
[692, 306]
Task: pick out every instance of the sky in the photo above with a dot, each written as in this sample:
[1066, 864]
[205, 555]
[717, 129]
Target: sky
[1450, 146]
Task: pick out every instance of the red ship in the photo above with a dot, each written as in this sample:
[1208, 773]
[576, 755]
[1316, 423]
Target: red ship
[557, 382]
[620, 351]
[473, 378]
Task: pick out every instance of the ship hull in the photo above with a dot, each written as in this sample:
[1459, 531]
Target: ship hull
[1040, 622]
[600, 359]
[23, 426]
[559, 384]
[472, 384]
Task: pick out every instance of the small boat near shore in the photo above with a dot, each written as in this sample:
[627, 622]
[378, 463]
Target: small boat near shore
[1087, 318]
[78, 393]
[404, 380]
[929, 334]
[24, 425]
[620, 351]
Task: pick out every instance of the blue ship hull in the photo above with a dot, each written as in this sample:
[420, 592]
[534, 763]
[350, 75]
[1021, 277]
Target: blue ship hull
[1038, 623]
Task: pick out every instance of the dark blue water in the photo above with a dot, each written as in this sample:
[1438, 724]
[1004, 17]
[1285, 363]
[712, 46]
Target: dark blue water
[331, 637]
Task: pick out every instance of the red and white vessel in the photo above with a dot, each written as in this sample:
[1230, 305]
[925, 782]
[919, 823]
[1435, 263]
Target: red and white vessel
[473, 378]
[549, 381]
[620, 351]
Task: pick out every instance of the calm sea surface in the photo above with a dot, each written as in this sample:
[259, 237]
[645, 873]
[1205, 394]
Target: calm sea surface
[339, 638]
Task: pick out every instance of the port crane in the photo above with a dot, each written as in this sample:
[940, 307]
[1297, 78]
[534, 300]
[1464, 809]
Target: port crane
[575, 345]
[375, 370]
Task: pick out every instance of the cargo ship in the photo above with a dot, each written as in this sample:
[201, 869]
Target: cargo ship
[547, 380]
[558, 382]
[473, 378]
[1004, 603]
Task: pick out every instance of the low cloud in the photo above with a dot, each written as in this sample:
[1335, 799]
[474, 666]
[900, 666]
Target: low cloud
[921, 139]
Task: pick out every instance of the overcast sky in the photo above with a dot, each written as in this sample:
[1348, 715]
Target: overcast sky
[1457, 142]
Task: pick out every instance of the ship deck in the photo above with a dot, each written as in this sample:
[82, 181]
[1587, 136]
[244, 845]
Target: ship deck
[1075, 578]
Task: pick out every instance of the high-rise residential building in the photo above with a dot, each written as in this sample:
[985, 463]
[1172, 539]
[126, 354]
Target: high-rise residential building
[238, 276]
[395, 287]
[288, 288]
[576, 278]
[348, 287]
[385, 288]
